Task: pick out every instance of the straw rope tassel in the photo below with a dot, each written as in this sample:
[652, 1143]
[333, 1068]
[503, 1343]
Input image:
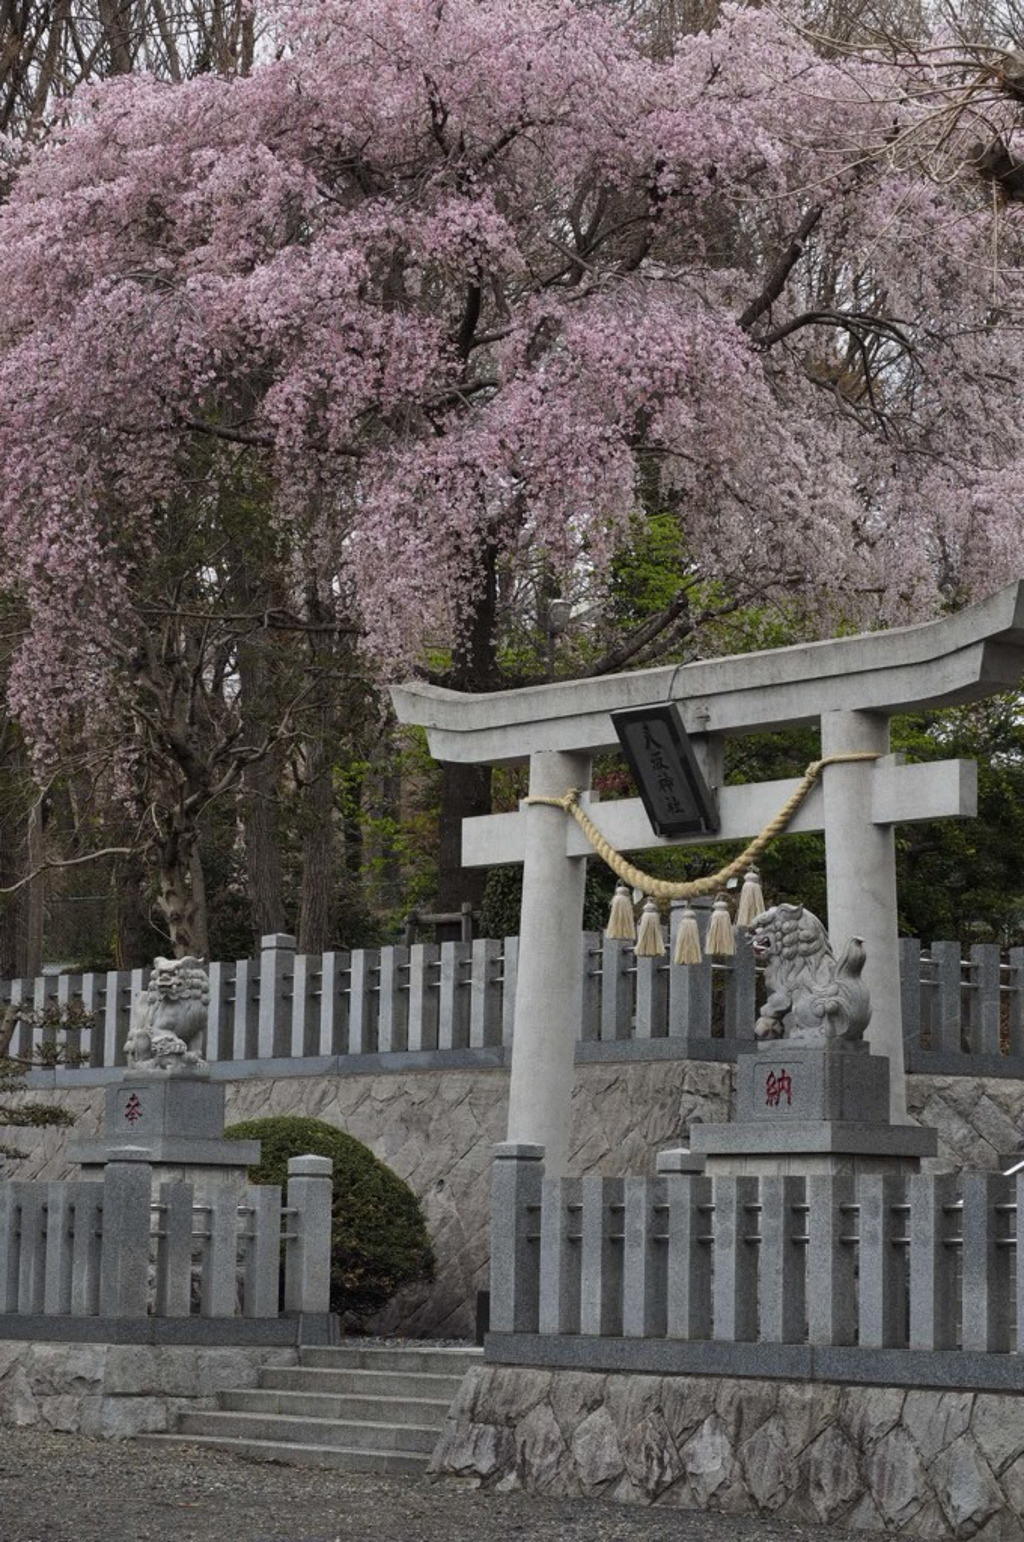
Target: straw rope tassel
[721, 943]
[621, 924]
[650, 941]
[687, 944]
[751, 898]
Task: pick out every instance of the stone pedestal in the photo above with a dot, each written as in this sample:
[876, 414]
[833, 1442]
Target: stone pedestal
[680, 1159]
[806, 1110]
[174, 1121]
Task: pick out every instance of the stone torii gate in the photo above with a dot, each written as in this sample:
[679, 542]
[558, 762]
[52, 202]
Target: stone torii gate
[850, 687]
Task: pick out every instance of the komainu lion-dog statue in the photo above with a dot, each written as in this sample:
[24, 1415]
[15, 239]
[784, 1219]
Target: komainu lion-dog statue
[813, 998]
[169, 1017]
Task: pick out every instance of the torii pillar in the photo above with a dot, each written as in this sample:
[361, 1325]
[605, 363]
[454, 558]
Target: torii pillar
[849, 687]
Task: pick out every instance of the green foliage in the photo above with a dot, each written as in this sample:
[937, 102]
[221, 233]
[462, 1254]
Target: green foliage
[964, 878]
[379, 1238]
[646, 575]
[399, 823]
[793, 867]
[503, 895]
[53, 1019]
[24, 1115]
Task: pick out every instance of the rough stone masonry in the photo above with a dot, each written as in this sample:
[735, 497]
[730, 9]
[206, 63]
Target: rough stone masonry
[912, 1462]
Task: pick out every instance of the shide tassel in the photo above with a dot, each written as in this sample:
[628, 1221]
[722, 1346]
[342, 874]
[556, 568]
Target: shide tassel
[751, 898]
[621, 925]
[720, 940]
[650, 943]
[687, 945]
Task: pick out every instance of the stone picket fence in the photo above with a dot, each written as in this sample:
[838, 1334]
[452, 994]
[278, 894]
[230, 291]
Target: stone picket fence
[882, 1279]
[455, 1001]
[114, 1260]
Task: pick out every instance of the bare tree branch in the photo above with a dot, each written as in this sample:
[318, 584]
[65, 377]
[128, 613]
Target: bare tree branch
[45, 867]
[776, 280]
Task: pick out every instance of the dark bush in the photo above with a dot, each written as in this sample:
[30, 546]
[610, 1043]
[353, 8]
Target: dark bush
[379, 1238]
[503, 895]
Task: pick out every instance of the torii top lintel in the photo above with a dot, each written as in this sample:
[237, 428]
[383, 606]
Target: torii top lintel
[963, 657]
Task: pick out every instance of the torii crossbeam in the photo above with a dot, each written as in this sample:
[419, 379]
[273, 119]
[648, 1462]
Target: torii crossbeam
[850, 687]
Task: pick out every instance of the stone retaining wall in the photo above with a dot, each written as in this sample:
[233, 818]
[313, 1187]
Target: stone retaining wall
[436, 1129]
[118, 1390]
[922, 1463]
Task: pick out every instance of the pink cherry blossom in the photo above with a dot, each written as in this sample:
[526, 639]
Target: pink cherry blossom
[456, 279]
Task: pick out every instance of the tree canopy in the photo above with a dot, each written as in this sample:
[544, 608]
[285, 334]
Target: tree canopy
[448, 292]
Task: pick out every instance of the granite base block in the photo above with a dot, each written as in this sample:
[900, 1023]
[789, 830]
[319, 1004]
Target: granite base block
[313, 1328]
[814, 1135]
[781, 1083]
[809, 1109]
[189, 1107]
[168, 1151]
[171, 1121]
[783, 1362]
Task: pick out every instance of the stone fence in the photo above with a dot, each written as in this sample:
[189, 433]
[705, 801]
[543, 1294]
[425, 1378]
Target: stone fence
[961, 1015]
[881, 1279]
[114, 1261]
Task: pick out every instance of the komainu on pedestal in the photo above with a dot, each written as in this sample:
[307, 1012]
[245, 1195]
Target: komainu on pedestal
[169, 1017]
[813, 997]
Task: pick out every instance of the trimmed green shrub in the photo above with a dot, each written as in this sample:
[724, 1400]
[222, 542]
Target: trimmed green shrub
[379, 1238]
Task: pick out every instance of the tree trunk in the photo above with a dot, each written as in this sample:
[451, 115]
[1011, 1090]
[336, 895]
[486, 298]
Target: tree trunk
[15, 781]
[35, 895]
[352, 835]
[181, 907]
[466, 790]
[115, 22]
[264, 874]
[200, 918]
[319, 854]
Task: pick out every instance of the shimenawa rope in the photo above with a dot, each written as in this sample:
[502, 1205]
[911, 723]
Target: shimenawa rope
[664, 888]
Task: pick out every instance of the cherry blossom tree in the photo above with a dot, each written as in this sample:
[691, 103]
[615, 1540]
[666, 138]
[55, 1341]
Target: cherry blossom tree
[49, 47]
[463, 285]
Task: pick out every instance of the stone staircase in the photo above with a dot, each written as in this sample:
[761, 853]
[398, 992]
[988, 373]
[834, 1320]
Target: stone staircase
[362, 1409]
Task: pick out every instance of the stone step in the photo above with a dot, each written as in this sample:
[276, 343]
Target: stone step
[361, 1383]
[358, 1407]
[421, 1411]
[301, 1430]
[445, 1362]
[293, 1454]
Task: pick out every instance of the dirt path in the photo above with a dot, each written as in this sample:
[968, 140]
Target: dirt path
[64, 1488]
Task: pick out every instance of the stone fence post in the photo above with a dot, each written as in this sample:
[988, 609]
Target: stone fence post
[515, 1237]
[307, 1236]
[124, 1254]
[277, 978]
[560, 1255]
[9, 1227]
[173, 1297]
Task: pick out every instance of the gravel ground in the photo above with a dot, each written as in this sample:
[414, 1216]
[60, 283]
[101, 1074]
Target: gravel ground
[64, 1488]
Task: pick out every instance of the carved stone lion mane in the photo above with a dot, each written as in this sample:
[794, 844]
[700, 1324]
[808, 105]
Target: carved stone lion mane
[813, 998]
[169, 1016]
